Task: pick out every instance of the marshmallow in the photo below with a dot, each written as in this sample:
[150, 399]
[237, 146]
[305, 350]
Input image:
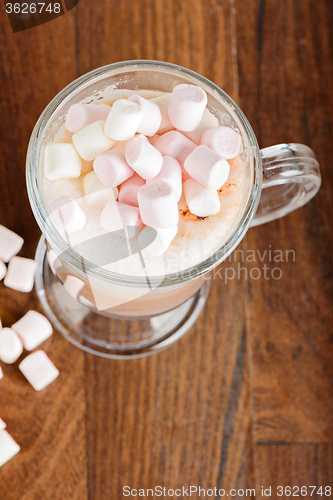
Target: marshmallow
[200, 200]
[124, 120]
[207, 167]
[153, 139]
[163, 103]
[158, 205]
[73, 286]
[10, 243]
[91, 141]
[117, 216]
[1, 373]
[66, 215]
[3, 270]
[151, 115]
[186, 107]
[21, 274]
[208, 121]
[128, 191]
[224, 140]
[171, 174]
[39, 370]
[8, 447]
[61, 161]
[33, 329]
[2, 425]
[11, 346]
[143, 158]
[176, 145]
[81, 115]
[96, 194]
[107, 107]
[161, 242]
[112, 168]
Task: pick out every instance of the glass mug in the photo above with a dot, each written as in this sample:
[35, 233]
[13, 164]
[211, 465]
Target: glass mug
[147, 317]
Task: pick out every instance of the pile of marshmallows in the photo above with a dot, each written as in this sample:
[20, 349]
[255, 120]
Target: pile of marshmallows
[148, 173]
[28, 333]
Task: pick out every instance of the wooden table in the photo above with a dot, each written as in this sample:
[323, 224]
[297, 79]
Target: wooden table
[245, 398]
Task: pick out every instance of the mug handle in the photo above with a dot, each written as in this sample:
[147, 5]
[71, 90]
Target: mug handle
[291, 177]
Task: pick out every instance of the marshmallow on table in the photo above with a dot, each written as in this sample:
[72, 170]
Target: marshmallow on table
[91, 141]
[207, 167]
[3, 270]
[224, 140]
[11, 346]
[33, 329]
[151, 115]
[200, 200]
[186, 107]
[175, 144]
[123, 120]
[163, 103]
[66, 215]
[2, 425]
[80, 115]
[208, 121]
[39, 370]
[128, 191]
[158, 205]
[96, 194]
[21, 274]
[61, 161]
[161, 242]
[8, 447]
[111, 168]
[170, 173]
[1, 373]
[117, 216]
[10, 243]
[144, 159]
[73, 286]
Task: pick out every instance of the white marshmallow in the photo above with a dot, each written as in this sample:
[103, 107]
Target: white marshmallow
[128, 190]
[8, 447]
[33, 329]
[207, 167]
[124, 120]
[200, 200]
[80, 115]
[91, 141]
[151, 115]
[61, 161]
[186, 107]
[21, 274]
[208, 121]
[224, 140]
[143, 158]
[161, 243]
[111, 168]
[163, 103]
[2, 425]
[1, 373]
[73, 286]
[39, 370]
[117, 216]
[10, 243]
[66, 215]
[11, 346]
[170, 173]
[96, 194]
[158, 205]
[176, 145]
[3, 270]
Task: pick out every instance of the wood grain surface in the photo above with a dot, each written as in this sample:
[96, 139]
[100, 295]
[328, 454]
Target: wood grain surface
[245, 399]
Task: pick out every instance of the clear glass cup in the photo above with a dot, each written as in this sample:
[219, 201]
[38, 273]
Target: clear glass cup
[147, 316]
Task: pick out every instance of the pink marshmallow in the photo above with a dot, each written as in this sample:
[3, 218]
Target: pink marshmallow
[175, 144]
[224, 140]
[21, 274]
[163, 104]
[39, 370]
[66, 215]
[186, 107]
[33, 329]
[73, 286]
[158, 205]
[10, 243]
[207, 167]
[117, 216]
[143, 158]
[151, 115]
[111, 167]
[128, 191]
[170, 173]
[81, 115]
